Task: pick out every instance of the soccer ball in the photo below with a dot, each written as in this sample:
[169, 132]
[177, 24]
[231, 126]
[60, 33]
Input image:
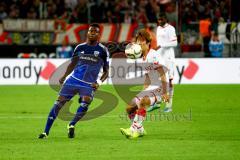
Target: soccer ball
[133, 51]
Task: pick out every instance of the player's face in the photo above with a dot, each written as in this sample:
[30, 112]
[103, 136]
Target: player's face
[162, 21]
[215, 38]
[141, 40]
[93, 33]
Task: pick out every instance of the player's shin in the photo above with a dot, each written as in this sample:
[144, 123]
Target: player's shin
[137, 125]
[82, 110]
[131, 111]
[169, 104]
[53, 115]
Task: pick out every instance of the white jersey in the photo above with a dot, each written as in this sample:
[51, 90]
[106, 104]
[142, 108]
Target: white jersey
[154, 90]
[167, 40]
[153, 61]
[166, 36]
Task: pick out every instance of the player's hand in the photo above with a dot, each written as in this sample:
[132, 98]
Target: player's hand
[61, 80]
[95, 86]
[165, 97]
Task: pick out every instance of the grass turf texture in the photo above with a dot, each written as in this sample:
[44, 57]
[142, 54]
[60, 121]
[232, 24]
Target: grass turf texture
[210, 131]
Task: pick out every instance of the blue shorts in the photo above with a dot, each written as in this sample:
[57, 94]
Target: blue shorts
[72, 87]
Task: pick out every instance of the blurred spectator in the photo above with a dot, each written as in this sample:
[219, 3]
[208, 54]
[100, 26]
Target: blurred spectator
[141, 16]
[31, 14]
[152, 9]
[42, 9]
[128, 17]
[70, 4]
[60, 7]
[14, 11]
[73, 17]
[24, 7]
[117, 16]
[96, 13]
[82, 11]
[216, 46]
[51, 10]
[214, 26]
[205, 32]
[3, 13]
[224, 7]
[106, 10]
[64, 51]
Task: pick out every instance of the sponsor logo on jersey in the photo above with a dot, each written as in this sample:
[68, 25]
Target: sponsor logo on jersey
[96, 53]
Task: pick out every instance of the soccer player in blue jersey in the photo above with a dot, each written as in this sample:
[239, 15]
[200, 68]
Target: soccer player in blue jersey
[87, 60]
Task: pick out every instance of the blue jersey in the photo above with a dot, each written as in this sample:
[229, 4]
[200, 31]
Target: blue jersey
[216, 48]
[90, 61]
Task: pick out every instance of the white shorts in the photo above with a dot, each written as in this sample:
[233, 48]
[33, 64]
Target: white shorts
[153, 92]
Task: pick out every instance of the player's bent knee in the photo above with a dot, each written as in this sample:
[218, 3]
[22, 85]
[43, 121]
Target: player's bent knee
[86, 99]
[60, 102]
[130, 109]
[62, 99]
[145, 102]
[84, 105]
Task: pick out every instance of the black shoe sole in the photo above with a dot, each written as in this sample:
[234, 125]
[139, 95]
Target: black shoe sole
[71, 133]
[42, 136]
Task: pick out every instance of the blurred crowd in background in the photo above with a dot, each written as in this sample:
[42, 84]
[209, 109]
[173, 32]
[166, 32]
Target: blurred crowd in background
[194, 10]
[83, 11]
[115, 11]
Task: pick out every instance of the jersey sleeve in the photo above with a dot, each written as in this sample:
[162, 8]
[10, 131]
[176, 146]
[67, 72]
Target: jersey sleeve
[76, 51]
[106, 58]
[172, 34]
[74, 54]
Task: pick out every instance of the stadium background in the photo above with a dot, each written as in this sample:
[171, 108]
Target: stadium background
[207, 89]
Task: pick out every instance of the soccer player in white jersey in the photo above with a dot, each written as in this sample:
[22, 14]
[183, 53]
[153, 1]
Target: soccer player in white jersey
[155, 87]
[166, 41]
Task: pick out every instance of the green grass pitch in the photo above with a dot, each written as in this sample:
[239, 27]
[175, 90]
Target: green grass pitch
[205, 124]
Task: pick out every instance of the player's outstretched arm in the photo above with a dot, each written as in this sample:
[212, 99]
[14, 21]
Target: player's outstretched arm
[69, 70]
[163, 78]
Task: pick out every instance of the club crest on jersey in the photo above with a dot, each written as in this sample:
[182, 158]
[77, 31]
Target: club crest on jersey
[96, 53]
